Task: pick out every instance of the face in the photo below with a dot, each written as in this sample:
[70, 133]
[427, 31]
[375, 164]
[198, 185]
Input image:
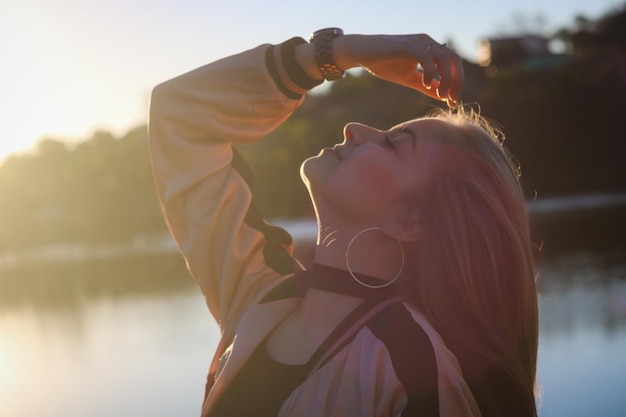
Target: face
[364, 178]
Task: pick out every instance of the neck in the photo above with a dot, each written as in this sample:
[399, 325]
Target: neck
[371, 253]
[340, 281]
[332, 293]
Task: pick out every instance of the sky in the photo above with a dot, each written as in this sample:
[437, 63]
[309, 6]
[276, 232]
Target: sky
[69, 68]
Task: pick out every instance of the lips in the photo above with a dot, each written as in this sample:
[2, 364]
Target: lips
[335, 151]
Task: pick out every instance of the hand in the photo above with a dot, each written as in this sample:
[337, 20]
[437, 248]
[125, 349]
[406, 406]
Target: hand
[395, 58]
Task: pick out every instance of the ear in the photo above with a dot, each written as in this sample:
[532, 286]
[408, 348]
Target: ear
[404, 226]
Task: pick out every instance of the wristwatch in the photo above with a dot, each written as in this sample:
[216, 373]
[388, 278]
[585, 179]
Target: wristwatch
[323, 42]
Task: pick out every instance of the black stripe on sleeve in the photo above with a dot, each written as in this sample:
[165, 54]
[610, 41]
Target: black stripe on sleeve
[277, 239]
[271, 67]
[243, 169]
[295, 286]
[295, 71]
[412, 356]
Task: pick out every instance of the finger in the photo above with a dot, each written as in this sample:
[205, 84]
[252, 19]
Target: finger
[458, 79]
[416, 81]
[442, 60]
[450, 68]
[429, 69]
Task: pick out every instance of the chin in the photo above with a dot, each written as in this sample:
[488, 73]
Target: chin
[314, 172]
[304, 176]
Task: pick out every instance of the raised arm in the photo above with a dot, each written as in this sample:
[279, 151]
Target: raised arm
[202, 183]
[395, 58]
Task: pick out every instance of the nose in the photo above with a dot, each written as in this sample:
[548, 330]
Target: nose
[358, 134]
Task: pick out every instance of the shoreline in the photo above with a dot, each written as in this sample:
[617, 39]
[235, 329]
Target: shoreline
[559, 224]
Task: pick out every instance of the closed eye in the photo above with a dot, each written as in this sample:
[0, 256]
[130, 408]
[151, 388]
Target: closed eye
[390, 144]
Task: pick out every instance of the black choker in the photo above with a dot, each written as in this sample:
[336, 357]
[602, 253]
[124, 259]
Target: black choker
[340, 281]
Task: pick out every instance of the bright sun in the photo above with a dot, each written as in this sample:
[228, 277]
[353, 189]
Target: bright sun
[34, 96]
[56, 81]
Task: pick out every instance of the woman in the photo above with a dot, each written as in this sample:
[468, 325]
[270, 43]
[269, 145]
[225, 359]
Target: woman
[421, 299]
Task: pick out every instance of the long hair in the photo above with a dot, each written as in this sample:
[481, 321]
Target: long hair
[473, 273]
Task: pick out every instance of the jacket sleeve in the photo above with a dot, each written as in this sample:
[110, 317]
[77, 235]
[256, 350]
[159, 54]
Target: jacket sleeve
[202, 182]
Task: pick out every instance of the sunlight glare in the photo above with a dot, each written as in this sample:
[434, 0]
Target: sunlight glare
[11, 361]
[58, 83]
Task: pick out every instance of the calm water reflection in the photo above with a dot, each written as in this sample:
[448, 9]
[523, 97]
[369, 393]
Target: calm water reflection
[582, 351]
[82, 340]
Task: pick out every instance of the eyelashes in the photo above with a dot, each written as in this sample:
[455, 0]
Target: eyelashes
[390, 144]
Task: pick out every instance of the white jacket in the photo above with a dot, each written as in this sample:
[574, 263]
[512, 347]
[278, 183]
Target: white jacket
[238, 260]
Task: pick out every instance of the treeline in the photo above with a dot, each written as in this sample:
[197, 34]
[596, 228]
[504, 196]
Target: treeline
[98, 191]
[563, 117]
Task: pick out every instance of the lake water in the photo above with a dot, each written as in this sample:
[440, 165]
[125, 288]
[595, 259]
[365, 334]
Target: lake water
[133, 337]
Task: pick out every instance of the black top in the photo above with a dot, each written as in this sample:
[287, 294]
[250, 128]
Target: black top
[261, 387]
[263, 384]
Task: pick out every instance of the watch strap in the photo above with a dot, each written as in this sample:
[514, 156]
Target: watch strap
[323, 43]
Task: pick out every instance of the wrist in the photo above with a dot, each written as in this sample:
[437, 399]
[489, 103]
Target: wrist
[342, 52]
[342, 49]
[305, 57]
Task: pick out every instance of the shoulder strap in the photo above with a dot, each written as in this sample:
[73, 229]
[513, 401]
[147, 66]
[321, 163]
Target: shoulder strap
[347, 330]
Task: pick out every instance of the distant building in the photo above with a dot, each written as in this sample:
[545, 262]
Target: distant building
[504, 52]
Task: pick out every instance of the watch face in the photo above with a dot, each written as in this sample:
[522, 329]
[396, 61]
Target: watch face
[322, 40]
[333, 32]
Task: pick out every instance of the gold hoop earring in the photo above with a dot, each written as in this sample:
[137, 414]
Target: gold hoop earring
[350, 269]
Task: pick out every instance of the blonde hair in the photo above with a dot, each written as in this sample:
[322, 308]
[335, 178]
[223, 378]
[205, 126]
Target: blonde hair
[472, 273]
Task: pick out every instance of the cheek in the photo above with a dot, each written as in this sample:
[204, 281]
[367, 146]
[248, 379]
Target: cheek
[375, 178]
[368, 182]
